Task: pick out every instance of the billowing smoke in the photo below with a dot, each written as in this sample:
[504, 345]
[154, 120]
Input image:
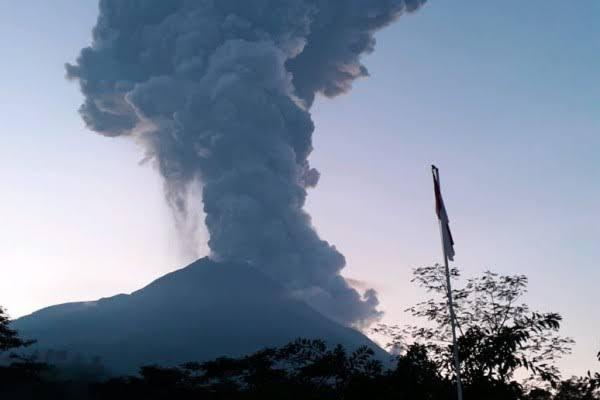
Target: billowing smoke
[218, 92]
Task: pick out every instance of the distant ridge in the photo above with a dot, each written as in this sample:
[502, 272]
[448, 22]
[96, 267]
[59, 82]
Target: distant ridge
[203, 311]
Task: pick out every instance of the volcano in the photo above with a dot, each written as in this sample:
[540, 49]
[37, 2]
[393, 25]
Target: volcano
[203, 311]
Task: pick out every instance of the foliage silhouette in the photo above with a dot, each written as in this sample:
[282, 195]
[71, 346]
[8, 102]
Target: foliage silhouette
[310, 370]
[19, 375]
[9, 339]
[498, 335]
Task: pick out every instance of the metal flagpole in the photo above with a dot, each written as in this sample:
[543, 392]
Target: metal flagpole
[452, 323]
[459, 390]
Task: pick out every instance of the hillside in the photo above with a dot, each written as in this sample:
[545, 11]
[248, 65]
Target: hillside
[200, 312]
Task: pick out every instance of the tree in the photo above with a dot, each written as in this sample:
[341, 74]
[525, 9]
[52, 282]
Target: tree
[586, 387]
[21, 378]
[580, 388]
[304, 369]
[417, 377]
[9, 338]
[497, 333]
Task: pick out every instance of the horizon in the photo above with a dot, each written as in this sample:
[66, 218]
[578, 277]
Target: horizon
[504, 102]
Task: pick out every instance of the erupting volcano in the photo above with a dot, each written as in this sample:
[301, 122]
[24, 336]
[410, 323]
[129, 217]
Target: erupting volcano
[218, 93]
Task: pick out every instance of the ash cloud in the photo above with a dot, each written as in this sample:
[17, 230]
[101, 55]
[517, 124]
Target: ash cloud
[218, 94]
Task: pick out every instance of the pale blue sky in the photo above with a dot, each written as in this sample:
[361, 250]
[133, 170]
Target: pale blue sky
[503, 96]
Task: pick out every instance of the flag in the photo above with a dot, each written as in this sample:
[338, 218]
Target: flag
[440, 210]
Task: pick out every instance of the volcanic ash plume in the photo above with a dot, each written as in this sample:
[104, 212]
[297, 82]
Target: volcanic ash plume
[218, 92]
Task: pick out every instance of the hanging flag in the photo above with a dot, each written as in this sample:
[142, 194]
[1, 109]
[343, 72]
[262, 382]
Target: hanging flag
[440, 209]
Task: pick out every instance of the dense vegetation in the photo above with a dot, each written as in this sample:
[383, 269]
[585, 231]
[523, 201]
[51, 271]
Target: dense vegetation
[500, 339]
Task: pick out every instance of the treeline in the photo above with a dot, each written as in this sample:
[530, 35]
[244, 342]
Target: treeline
[304, 370]
[507, 352]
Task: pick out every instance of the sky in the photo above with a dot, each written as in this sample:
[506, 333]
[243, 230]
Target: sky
[501, 96]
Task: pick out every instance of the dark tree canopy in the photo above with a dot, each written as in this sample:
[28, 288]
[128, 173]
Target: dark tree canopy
[498, 333]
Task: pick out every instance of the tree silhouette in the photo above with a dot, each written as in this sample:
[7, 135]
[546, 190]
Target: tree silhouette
[9, 338]
[498, 334]
[20, 376]
[301, 370]
[417, 377]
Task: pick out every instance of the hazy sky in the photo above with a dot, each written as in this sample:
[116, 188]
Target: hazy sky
[502, 96]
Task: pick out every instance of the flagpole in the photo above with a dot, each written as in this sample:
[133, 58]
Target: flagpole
[459, 390]
[453, 324]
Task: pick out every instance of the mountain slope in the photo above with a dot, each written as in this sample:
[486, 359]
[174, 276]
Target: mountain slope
[200, 312]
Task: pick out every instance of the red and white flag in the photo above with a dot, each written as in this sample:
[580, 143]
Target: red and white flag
[440, 210]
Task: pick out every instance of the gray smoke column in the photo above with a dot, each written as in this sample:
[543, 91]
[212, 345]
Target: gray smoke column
[218, 93]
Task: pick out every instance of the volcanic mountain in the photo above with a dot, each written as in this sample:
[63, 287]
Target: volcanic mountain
[203, 311]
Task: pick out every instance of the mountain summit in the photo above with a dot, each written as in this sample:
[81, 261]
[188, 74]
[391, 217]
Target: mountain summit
[203, 311]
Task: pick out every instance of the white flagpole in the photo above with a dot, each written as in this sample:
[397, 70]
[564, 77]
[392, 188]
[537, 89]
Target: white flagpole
[459, 390]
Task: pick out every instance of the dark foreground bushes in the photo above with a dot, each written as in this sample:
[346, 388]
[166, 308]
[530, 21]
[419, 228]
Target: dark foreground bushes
[301, 370]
